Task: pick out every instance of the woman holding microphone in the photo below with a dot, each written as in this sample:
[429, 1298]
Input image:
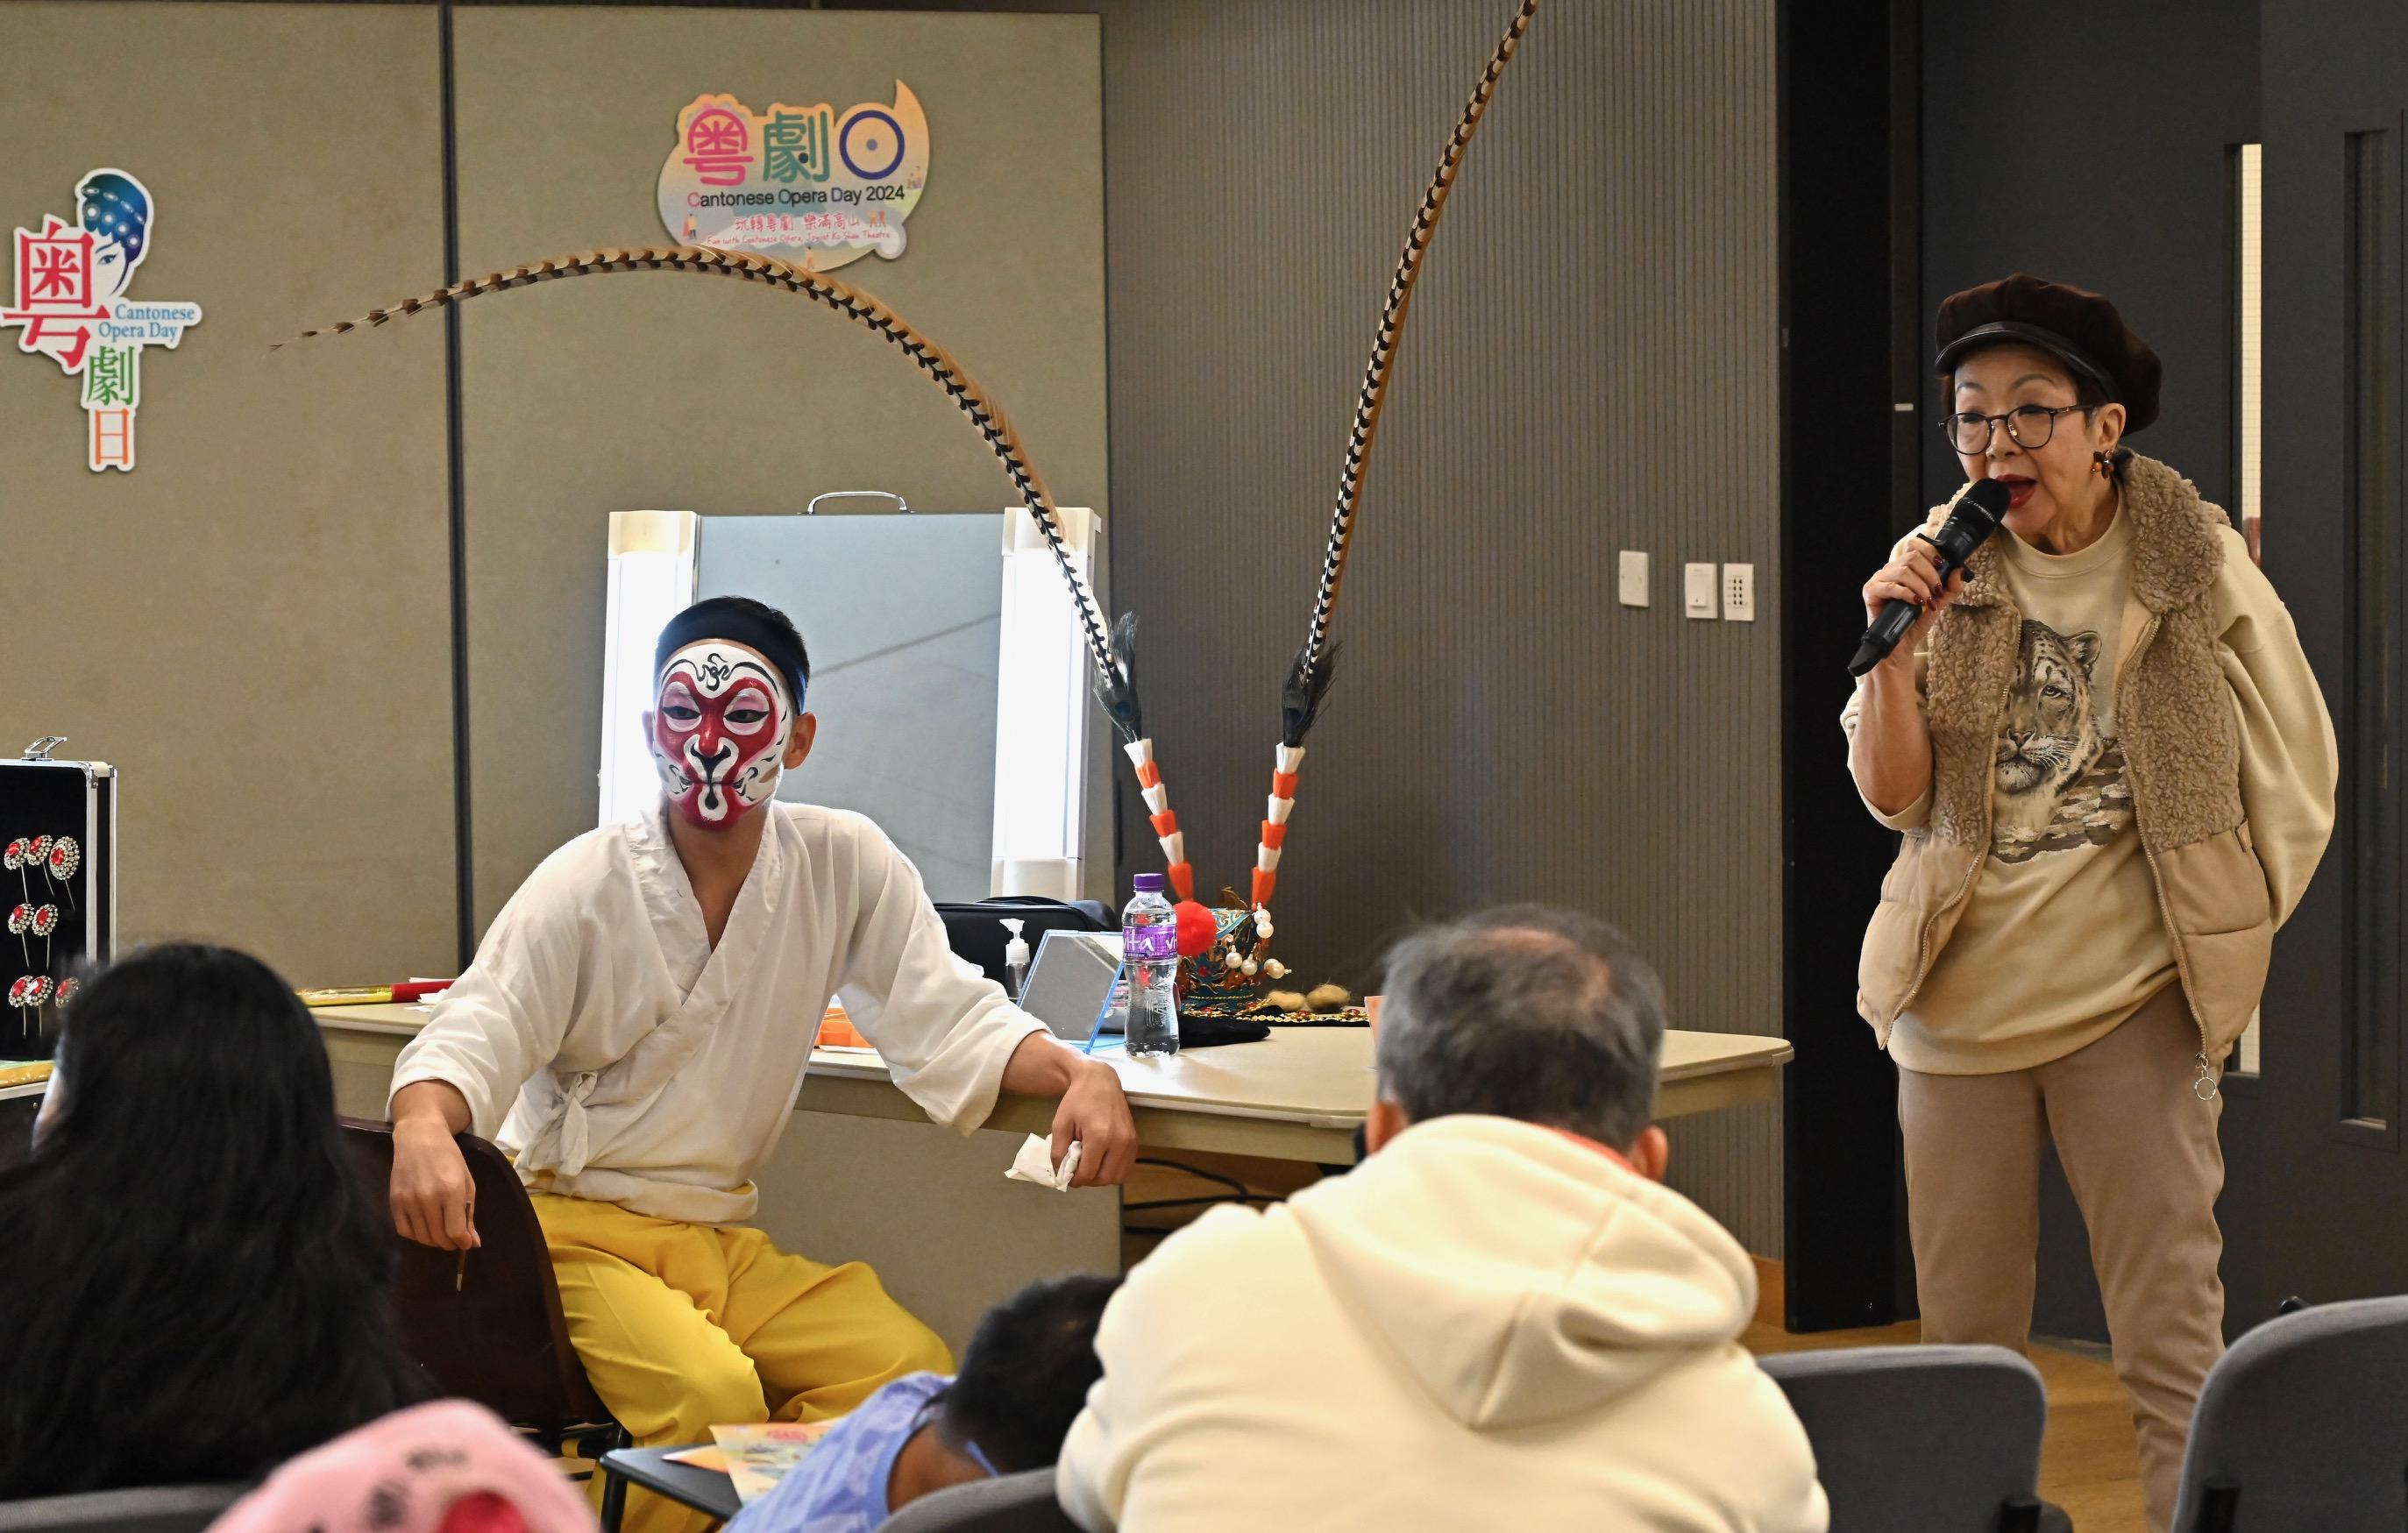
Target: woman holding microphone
[2115, 774]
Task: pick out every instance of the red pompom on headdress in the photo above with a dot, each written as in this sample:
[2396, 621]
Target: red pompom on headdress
[1198, 929]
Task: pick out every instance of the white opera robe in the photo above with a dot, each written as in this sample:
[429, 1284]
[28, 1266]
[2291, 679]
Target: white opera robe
[637, 1066]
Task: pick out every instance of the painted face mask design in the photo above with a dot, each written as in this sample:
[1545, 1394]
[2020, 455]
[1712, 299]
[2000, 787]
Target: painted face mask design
[719, 718]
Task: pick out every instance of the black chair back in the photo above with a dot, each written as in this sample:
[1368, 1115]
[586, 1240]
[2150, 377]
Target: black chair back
[491, 1332]
[151, 1508]
[2304, 1424]
[1016, 1503]
[1921, 1439]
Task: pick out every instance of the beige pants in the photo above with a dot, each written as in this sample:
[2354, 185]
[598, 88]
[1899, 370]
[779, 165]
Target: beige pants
[2140, 1152]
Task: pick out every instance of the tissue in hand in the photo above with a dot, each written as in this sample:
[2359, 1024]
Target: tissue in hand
[1035, 1163]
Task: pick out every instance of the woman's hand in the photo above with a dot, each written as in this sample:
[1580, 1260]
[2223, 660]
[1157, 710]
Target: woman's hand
[1912, 574]
[1889, 748]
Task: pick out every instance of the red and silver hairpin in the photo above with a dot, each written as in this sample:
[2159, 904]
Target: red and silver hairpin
[19, 853]
[20, 992]
[66, 857]
[21, 921]
[46, 921]
[38, 994]
[66, 991]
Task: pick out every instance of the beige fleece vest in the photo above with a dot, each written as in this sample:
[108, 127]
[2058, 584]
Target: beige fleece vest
[2181, 738]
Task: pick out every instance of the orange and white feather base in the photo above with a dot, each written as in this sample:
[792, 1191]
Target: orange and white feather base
[1282, 801]
[1166, 823]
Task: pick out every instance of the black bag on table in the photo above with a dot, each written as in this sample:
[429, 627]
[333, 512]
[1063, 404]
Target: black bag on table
[975, 930]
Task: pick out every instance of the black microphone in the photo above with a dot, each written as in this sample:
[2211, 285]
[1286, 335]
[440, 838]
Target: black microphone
[1973, 516]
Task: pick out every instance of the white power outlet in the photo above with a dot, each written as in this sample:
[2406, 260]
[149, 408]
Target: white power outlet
[1698, 590]
[1738, 593]
[1634, 579]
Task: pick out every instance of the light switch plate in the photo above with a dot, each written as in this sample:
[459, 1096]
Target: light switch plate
[1738, 593]
[1634, 577]
[1698, 590]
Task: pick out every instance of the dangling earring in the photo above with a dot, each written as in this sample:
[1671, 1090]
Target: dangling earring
[2105, 461]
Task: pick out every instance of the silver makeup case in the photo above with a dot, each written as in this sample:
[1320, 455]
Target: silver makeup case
[39, 796]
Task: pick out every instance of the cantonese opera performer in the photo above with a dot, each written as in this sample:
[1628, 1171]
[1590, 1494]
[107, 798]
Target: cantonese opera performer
[634, 1031]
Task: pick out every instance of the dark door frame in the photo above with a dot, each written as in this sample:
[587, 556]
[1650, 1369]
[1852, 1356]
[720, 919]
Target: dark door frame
[2314, 1194]
[1852, 398]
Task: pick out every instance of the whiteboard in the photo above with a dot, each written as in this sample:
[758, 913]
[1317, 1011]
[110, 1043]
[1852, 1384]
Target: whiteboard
[901, 613]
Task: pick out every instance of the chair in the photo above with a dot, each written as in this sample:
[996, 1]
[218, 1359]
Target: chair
[707, 1491]
[150, 1508]
[2304, 1425]
[1016, 1503]
[1922, 1439]
[491, 1332]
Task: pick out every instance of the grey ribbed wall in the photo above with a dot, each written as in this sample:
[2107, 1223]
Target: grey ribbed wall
[1592, 366]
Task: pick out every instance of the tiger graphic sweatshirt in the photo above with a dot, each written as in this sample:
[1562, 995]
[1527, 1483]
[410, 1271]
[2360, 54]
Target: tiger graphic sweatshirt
[2010, 929]
[2061, 841]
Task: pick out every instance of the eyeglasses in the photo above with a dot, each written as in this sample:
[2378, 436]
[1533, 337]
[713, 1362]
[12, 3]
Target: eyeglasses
[2030, 426]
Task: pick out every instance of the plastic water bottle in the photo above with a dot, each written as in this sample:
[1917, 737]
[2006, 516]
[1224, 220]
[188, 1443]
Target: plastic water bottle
[1149, 956]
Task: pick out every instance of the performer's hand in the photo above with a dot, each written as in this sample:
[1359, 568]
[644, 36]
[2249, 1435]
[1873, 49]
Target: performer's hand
[1094, 1109]
[1096, 1112]
[434, 1202]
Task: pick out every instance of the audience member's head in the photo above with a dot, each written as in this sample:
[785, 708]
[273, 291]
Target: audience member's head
[195, 1274]
[1526, 1012]
[1026, 1373]
[446, 1468]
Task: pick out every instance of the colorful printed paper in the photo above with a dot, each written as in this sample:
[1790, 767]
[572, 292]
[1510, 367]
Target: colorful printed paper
[760, 1455]
[802, 182]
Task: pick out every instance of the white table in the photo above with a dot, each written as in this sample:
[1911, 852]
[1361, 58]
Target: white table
[862, 1175]
[1299, 1095]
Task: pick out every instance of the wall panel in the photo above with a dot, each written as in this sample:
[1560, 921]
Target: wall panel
[252, 624]
[658, 390]
[1591, 366]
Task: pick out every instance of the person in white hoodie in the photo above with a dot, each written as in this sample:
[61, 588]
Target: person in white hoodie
[1500, 1319]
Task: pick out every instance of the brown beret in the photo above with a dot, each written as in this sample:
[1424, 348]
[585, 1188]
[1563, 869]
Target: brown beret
[2082, 329]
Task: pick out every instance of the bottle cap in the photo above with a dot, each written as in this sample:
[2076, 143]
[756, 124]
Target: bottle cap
[1150, 884]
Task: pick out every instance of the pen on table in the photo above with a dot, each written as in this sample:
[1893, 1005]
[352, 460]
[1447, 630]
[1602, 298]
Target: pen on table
[375, 995]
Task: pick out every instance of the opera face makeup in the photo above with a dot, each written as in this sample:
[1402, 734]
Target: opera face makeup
[720, 719]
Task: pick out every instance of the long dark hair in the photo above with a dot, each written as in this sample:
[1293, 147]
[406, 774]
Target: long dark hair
[191, 1281]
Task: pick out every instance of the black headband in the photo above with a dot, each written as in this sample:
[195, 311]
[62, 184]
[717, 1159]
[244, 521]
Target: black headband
[736, 621]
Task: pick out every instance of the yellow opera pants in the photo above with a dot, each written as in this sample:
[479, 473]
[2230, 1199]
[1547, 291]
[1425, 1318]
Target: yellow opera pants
[683, 1327]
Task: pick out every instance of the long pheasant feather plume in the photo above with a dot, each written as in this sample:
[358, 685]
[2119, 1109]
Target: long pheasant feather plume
[1309, 674]
[1113, 687]
[1306, 686]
